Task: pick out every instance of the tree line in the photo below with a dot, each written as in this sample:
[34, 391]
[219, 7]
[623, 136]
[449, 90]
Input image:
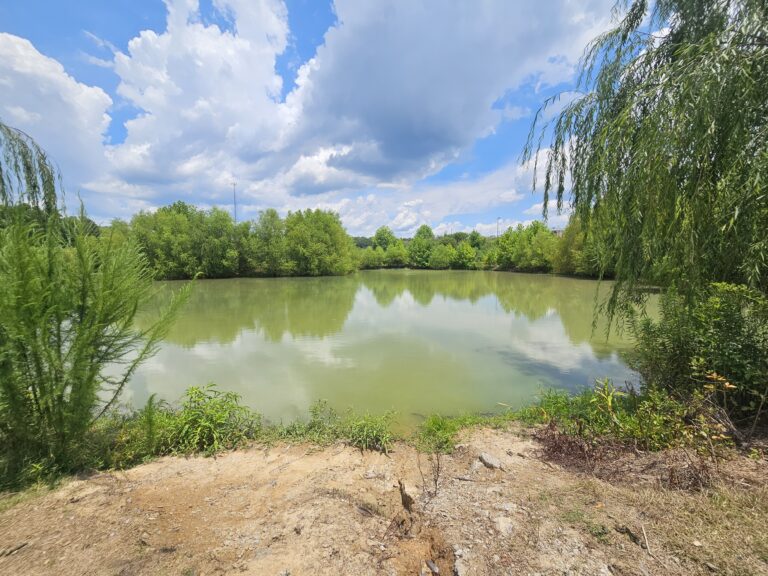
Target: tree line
[181, 241]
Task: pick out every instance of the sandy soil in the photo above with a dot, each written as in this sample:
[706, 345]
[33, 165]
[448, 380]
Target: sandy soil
[295, 510]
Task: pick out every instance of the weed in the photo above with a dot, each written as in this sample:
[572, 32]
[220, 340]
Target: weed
[211, 420]
[370, 432]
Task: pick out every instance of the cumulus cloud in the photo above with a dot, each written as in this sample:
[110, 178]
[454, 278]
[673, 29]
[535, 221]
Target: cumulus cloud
[208, 98]
[396, 91]
[409, 85]
[66, 117]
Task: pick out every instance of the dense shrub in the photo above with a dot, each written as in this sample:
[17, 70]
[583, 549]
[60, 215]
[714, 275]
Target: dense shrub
[371, 258]
[208, 421]
[396, 256]
[465, 256]
[442, 257]
[527, 248]
[369, 432]
[69, 342]
[652, 419]
[717, 343]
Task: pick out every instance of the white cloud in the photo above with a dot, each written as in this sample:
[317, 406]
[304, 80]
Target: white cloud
[397, 90]
[208, 97]
[66, 117]
[409, 87]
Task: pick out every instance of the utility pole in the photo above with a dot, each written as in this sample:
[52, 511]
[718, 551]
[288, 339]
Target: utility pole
[234, 198]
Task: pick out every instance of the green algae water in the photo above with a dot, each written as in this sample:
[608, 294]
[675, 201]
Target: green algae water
[416, 342]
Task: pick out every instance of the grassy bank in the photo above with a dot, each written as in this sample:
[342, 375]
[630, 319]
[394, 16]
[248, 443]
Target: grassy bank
[208, 421]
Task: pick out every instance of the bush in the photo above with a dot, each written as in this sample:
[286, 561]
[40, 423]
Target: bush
[716, 345]
[529, 248]
[324, 426]
[465, 256]
[438, 434]
[442, 257]
[370, 432]
[371, 258]
[652, 419]
[210, 421]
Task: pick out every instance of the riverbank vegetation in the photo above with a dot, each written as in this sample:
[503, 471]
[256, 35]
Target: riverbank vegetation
[665, 150]
[666, 154]
[208, 420]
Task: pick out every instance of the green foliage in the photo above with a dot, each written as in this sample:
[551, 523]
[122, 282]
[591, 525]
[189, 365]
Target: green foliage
[66, 315]
[527, 248]
[666, 150]
[362, 241]
[371, 258]
[652, 420]
[420, 248]
[370, 432]
[210, 421]
[442, 257]
[181, 241]
[719, 345]
[476, 240]
[28, 180]
[489, 258]
[396, 256]
[68, 340]
[323, 427]
[438, 433]
[384, 238]
[465, 256]
[317, 244]
[166, 238]
[576, 253]
[268, 245]
[424, 232]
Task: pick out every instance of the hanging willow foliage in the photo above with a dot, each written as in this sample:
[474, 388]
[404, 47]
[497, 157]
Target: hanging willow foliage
[665, 147]
[27, 176]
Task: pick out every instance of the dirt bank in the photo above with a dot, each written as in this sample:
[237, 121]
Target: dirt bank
[298, 510]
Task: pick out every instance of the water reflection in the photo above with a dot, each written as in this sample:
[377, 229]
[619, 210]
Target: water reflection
[219, 310]
[415, 341]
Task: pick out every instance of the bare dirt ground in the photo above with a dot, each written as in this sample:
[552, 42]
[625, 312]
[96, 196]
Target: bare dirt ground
[300, 510]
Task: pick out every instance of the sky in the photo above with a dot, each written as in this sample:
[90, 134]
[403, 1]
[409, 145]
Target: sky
[389, 112]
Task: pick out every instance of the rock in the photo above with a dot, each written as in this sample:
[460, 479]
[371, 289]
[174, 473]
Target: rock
[460, 568]
[712, 567]
[433, 567]
[504, 525]
[490, 461]
[507, 507]
[457, 551]
[697, 544]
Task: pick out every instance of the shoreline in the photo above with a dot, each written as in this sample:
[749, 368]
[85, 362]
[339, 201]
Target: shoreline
[495, 502]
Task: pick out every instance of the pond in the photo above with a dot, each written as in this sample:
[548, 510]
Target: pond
[416, 342]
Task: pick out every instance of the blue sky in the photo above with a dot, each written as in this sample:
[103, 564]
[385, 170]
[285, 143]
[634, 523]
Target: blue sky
[398, 112]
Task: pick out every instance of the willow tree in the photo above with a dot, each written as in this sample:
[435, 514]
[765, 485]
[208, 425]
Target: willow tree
[68, 344]
[662, 152]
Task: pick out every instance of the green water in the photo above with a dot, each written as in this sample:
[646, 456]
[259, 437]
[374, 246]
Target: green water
[413, 341]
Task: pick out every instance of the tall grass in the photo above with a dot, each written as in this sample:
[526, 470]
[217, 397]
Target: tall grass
[67, 309]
